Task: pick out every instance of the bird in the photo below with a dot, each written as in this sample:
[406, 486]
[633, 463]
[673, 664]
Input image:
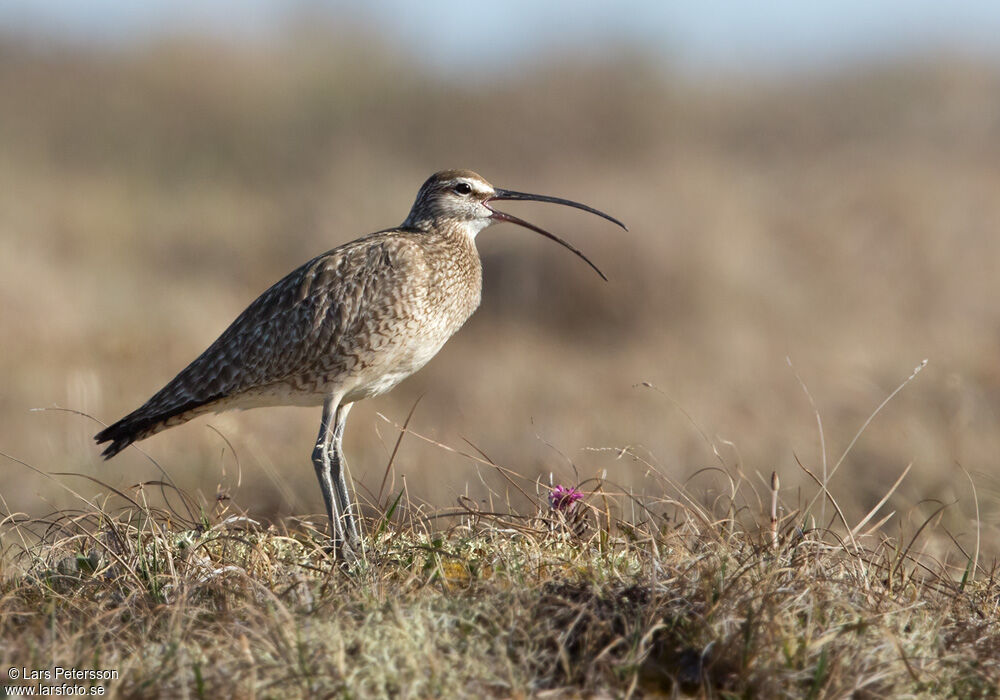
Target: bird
[348, 325]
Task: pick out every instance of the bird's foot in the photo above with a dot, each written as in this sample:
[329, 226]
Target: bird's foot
[344, 551]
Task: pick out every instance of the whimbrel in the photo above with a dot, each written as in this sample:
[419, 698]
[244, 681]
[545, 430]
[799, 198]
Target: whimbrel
[347, 325]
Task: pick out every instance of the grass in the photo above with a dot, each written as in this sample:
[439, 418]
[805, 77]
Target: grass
[614, 595]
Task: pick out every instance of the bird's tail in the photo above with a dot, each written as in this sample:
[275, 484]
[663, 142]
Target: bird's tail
[145, 421]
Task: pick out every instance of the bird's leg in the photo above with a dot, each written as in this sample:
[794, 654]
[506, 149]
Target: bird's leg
[322, 462]
[340, 474]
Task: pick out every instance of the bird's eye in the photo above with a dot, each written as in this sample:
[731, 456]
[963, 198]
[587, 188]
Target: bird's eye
[463, 188]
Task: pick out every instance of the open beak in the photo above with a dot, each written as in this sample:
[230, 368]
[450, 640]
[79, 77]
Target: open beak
[499, 194]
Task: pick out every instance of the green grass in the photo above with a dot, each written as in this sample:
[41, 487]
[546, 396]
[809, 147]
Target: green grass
[677, 597]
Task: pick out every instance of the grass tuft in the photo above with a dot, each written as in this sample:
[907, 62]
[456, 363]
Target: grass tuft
[709, 599]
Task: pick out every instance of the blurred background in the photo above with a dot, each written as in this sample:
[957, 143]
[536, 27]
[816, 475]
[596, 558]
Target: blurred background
[813, 182]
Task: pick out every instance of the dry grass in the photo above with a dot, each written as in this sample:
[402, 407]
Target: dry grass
[622, 596]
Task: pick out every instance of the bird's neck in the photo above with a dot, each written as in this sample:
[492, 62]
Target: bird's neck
[450, 228]
[456, 270]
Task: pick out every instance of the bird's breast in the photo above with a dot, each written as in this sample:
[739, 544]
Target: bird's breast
[433, 305]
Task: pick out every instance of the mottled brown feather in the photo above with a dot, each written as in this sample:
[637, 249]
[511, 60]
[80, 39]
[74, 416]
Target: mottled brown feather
[351, 322]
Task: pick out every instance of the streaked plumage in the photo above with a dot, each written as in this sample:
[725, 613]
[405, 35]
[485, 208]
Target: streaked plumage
[347, 325]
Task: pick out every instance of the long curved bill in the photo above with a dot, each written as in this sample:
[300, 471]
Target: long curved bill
[509, 194]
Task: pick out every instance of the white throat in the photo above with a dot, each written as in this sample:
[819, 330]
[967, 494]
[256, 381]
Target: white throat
[473, 227]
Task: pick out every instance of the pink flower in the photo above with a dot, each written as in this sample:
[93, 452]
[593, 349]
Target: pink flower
[563, 497]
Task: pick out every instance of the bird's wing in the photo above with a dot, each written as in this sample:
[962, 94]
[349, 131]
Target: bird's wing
[304, 326]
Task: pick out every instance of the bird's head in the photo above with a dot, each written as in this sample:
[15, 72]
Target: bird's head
[464, 198]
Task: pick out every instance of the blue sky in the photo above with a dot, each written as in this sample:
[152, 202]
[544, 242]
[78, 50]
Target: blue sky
[763, 35]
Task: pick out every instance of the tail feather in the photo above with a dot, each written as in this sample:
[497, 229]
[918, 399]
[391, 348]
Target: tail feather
[146, 421]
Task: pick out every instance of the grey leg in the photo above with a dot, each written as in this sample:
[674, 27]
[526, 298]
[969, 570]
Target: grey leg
[321, 458]
[339, 468]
